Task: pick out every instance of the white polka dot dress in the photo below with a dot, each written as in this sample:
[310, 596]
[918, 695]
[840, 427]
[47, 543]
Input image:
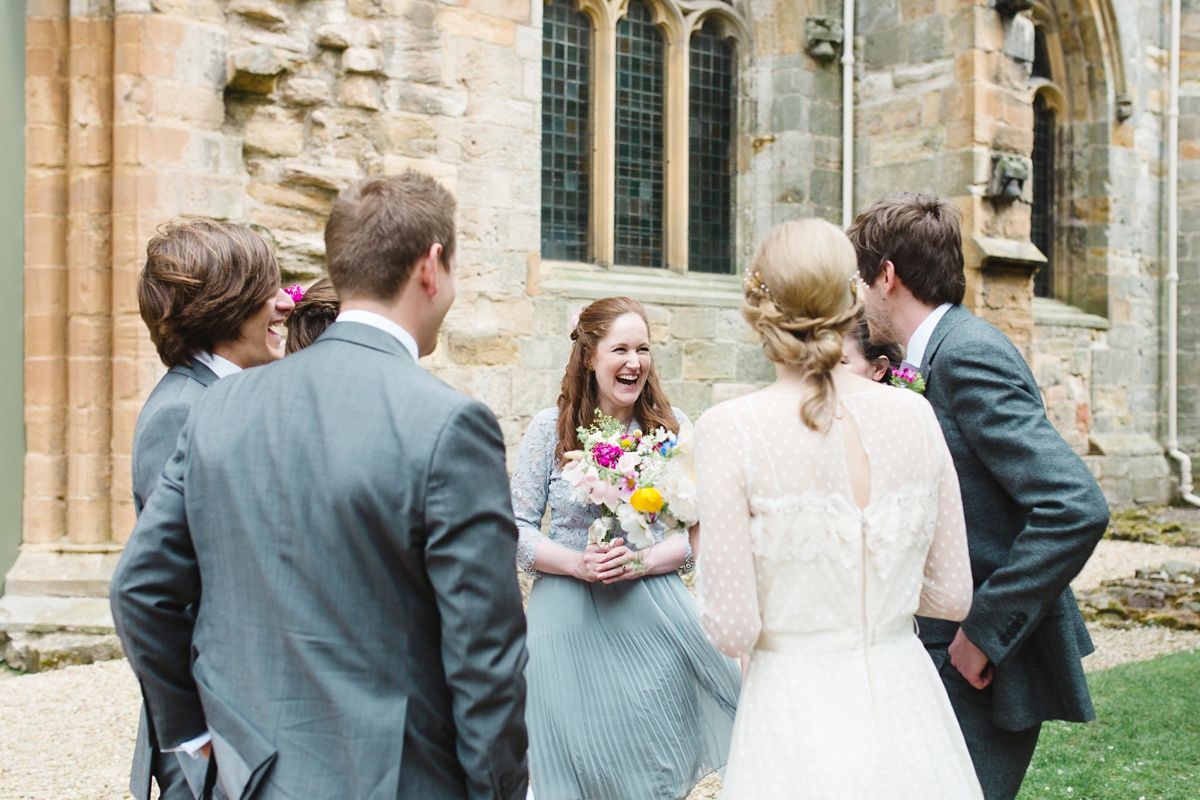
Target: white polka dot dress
[841, 700]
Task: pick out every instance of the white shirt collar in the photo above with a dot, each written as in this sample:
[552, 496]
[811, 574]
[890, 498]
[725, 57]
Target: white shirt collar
[914, 353]
[220, 366]
[384, 324]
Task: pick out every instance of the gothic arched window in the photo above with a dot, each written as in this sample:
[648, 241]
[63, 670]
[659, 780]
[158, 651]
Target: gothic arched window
[566, 132]
[1045, 142]
[639, 200]
[710, 182]
[1042, 219]
[638, 123]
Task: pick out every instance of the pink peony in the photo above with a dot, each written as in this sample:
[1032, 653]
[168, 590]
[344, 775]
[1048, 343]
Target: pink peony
[607, 455]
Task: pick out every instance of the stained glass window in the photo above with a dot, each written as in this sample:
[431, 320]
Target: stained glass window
[566, 135]
[639, 139]
[710, 140]
[1042, 222]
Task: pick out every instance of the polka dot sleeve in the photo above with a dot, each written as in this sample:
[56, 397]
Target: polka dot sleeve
[726, 587]
[948, 587]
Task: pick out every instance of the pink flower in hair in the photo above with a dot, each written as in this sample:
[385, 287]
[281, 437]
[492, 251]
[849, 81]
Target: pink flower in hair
[575, 320]
[296, 292]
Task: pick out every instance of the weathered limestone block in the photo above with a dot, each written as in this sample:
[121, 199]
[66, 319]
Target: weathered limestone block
[255, 70]
[306, 91]
[704, 361]
[697, 322]
[38, 652]
[274, 134]
[483, 349]
[361, 91]
[362, 60]
[261, 11]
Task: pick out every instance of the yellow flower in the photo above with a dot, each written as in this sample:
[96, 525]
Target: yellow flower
[627, 442]
[637, 434]
[647, 500]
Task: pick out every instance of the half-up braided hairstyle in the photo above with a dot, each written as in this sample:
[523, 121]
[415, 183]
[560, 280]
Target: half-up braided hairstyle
[802, 295]
[203, 278]
[315, 312]
[580, 394]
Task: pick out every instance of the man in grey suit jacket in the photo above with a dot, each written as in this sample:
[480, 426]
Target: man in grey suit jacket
[346, 517]
[1034, 512]
[209, 293]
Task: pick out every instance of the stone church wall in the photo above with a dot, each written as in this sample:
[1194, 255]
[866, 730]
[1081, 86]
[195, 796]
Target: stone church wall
[259, 111]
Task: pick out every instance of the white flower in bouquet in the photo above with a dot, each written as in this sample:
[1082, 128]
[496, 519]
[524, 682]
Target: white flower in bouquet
[598, 533]
[678, 481]
[637, 530]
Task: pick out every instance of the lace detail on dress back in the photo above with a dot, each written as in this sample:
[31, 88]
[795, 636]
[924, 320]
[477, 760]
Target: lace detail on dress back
[808, 525]
[786, 549]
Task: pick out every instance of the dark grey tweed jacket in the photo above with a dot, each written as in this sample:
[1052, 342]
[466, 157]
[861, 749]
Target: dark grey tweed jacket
[1034, 514]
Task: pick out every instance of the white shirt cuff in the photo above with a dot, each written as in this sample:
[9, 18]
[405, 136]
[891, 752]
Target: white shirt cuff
[192, 747]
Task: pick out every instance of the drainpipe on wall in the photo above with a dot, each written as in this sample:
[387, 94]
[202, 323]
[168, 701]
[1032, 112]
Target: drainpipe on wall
[1185, 463]
[848, 112]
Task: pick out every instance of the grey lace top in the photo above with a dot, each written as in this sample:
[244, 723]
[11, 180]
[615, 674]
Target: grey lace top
[537, 481]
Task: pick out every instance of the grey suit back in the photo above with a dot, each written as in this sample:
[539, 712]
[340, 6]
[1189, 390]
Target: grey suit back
[346, 516]
[160, 421]
[154, 438]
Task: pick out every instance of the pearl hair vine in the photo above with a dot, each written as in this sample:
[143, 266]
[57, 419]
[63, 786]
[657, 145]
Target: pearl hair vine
[754, 284]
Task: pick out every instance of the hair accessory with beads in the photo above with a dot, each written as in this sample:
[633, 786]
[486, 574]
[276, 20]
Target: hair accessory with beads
[856, 285]
[754, 284]
[296, 292]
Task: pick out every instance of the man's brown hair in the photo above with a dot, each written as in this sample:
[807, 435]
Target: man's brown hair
[203, 278]
[919, 234]
[380, 227]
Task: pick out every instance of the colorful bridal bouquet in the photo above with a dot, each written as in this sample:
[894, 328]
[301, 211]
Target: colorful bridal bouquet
[908, 378]
[636, 478]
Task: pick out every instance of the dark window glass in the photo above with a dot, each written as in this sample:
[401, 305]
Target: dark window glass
[639, 191]
[1041, 57]
[1042, 228]
[566, 132]
[710, 153]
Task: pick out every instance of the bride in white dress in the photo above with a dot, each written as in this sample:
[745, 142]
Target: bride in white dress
[830, 515]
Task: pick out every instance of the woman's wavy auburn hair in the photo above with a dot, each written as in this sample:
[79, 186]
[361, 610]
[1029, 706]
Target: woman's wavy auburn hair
[203, 278]
[315, 312]
[802, 297]
[580, 395]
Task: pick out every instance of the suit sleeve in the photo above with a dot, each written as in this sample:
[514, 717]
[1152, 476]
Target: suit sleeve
[156, 448]
[152, 587]
[469, 556]
[1001, 417]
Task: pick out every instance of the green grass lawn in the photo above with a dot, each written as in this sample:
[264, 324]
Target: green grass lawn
[1144, 744]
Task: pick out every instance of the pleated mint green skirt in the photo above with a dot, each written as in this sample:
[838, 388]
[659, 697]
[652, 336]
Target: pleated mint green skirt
[627, 700]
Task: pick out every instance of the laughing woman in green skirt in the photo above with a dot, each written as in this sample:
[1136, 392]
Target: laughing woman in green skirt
[627, 699]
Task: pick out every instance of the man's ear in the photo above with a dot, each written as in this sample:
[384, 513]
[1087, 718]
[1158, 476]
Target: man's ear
[428, 266]
[888, 275]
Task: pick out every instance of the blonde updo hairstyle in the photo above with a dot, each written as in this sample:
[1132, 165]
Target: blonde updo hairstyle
[802, 297]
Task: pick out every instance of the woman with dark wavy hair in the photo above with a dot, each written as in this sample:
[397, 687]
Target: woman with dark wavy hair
[626, 698]
[316, 309]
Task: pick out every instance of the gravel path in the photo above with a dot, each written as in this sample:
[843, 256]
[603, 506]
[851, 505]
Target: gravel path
[1115, 559]
[68, 734]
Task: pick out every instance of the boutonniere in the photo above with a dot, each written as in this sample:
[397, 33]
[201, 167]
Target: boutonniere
[907, 378]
